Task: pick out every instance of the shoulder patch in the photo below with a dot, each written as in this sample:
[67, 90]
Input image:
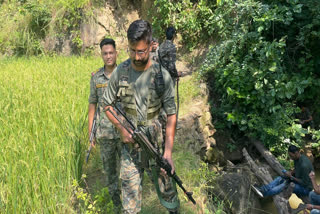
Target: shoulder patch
[93, 73]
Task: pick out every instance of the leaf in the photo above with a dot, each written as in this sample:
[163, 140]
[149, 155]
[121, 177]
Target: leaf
[261, 28]
[230, 117]
[273, 67]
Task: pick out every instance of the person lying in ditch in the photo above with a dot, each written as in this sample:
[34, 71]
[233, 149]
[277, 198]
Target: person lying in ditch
[299, 176]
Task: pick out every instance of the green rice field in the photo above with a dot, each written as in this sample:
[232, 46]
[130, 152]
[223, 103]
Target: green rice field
[43, 131]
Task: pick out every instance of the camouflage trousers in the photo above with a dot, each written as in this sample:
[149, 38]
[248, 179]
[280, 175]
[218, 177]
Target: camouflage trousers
[131, 174]
[110, 151]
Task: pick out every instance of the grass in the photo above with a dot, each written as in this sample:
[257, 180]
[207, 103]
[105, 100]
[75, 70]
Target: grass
[43, 117]
[189, 91]
[186, 164]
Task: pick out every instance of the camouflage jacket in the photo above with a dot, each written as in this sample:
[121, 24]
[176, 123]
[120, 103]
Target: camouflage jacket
[98, 84]
[167, 54]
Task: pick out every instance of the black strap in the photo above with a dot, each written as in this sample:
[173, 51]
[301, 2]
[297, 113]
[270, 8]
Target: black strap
[159, 82]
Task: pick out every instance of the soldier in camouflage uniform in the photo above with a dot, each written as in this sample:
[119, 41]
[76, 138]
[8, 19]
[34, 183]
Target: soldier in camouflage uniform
[106, 135]
[167, 53]
[135, 84]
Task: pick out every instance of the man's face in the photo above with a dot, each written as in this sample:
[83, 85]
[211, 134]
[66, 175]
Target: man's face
[109, 55]
[294, 156]
[154, 46]
[139, 54]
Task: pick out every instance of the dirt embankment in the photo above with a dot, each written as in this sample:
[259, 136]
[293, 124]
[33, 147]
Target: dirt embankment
[109, 19]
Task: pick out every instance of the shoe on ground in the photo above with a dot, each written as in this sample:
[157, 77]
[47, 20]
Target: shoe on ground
[257, 191]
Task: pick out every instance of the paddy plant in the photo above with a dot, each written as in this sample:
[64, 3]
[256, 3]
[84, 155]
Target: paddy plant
[43, 131]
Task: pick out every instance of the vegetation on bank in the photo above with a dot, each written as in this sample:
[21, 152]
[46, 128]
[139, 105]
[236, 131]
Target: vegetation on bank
[262, 67]
[26, 24]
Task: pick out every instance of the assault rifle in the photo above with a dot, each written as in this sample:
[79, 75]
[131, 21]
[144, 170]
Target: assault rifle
[146, 146]
[92, 133]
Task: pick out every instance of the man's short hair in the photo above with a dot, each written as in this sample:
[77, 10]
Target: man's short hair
[170, 32]
[107, 41]
[293, 149]
[139, 30]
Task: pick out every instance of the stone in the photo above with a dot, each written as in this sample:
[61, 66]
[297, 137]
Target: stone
[234, 190]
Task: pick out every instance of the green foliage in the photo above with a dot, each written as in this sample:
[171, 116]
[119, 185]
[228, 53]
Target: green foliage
[25, 24]
[204, 175]
[192, 19]
[102, 202]
[316, 138]
[265, 63]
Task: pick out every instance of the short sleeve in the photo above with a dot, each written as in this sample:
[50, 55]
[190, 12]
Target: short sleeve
[93, 97]
[169, 105]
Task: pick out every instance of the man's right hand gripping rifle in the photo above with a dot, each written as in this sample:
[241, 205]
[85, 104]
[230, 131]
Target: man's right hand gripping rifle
[131, 134]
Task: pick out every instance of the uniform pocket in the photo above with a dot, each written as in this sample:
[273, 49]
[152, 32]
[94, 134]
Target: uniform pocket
[154, 132]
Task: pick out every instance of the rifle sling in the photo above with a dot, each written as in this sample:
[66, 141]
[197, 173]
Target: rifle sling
[168, 205]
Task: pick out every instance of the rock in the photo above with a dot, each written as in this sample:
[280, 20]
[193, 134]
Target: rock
[62, 45]
[106, 23]
[196, 129]
[234, 190]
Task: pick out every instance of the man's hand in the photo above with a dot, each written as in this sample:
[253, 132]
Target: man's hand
[168, 157]
[312, 175]
[309, 206]
[288, 174]
[126, 137]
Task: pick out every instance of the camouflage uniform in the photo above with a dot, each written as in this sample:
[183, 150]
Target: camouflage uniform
[107, 136]
[142, 105]
[167, 52]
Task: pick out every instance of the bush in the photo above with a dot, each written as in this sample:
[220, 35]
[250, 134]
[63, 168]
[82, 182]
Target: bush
[30, 21]
[265, 63]
[191, 19]
[102, 202]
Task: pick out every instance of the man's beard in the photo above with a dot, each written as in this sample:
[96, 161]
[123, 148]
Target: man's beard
[141, 63]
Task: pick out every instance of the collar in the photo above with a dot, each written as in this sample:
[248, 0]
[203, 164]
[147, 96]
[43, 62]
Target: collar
[101, 71]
